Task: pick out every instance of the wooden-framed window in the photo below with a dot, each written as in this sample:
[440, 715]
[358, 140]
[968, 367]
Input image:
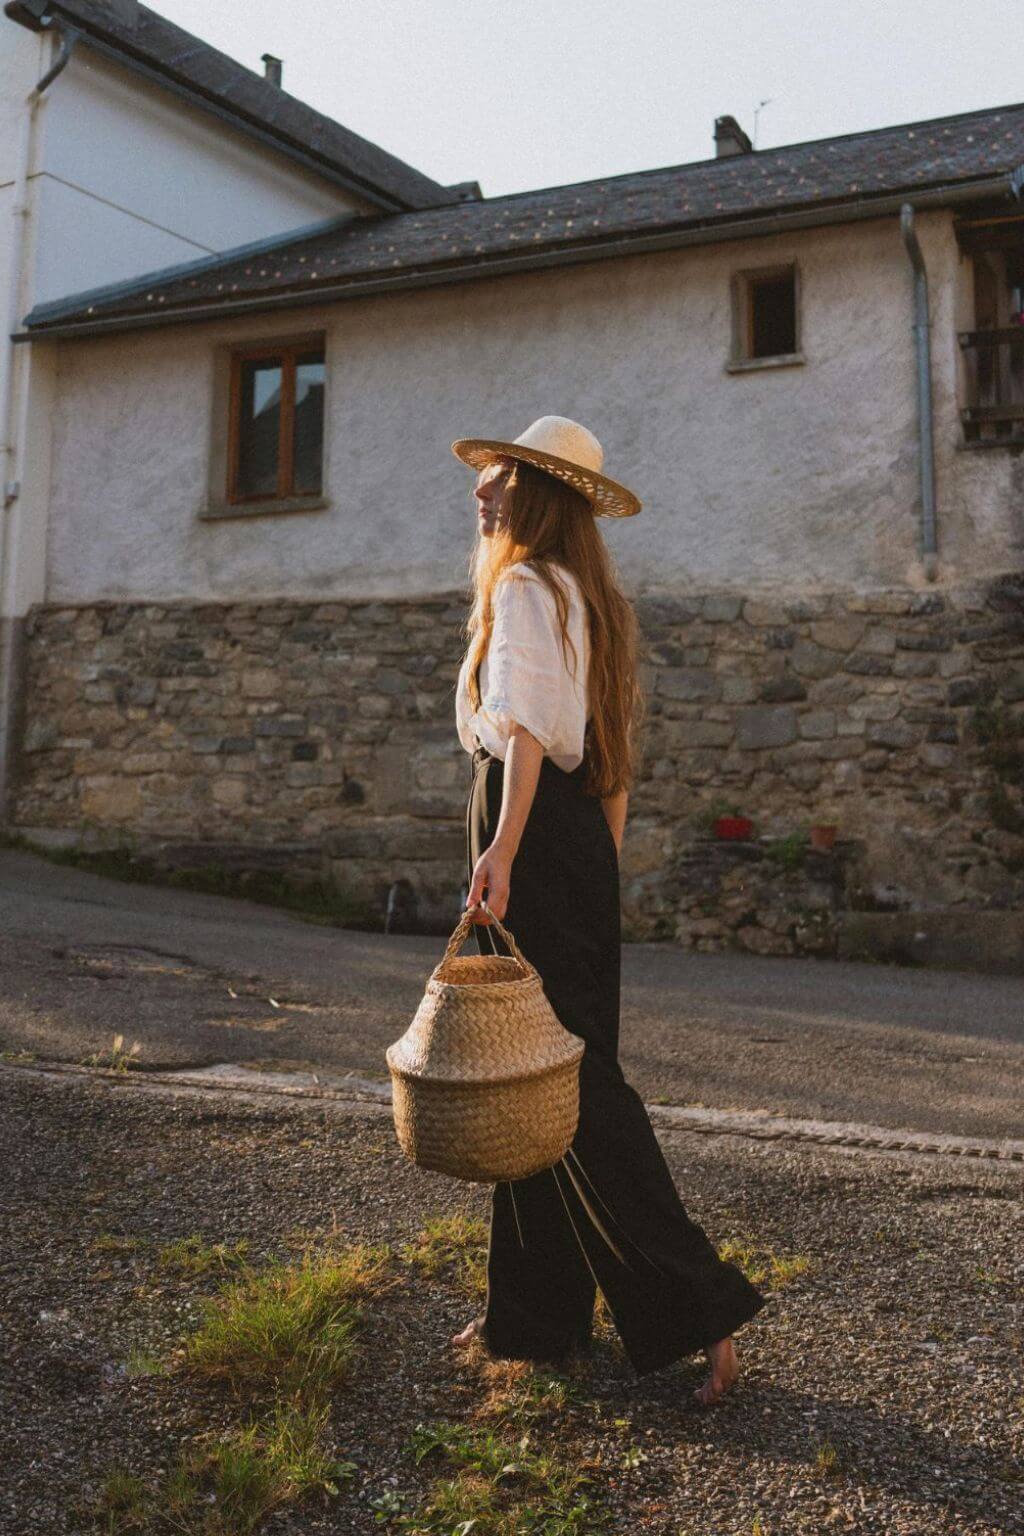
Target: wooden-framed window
[991, 385]
[276, 423]
[766, 317]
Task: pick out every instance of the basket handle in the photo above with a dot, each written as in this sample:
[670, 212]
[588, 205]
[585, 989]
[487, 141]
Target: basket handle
[461, 933]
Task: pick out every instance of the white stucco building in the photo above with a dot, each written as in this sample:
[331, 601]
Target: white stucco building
[807, 361]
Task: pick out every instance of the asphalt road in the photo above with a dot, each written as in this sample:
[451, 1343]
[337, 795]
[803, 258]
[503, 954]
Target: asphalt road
[201, 979]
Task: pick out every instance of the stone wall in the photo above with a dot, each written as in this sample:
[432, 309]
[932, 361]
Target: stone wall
[322, 735]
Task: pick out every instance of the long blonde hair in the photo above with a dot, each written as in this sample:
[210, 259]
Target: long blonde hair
[547, 522]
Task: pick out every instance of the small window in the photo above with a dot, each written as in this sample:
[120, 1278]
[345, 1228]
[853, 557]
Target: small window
[772, 316]
[765, 317]
[276, 425]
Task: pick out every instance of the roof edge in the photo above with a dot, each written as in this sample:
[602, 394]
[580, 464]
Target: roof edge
[54, 308]
[880, 205]
[39, 16]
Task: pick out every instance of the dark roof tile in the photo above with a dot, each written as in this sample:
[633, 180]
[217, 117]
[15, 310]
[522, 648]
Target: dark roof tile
[822, 174]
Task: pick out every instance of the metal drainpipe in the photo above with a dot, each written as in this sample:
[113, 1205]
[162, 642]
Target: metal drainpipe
[9, 415]
[20, 210]
[922, 337]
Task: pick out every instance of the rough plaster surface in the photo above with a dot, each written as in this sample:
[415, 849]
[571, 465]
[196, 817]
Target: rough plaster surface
[803, 475]
[145, 180]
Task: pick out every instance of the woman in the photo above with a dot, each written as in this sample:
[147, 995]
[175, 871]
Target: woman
[548, 702]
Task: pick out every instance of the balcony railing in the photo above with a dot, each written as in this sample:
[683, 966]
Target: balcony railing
[994, 359]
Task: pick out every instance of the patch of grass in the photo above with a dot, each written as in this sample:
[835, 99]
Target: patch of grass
[459, 1241]
[281, 1339]
[532, 1397]
[763, 1265]
[122, 1504]
[316, 900]
[112, 1242]
[227, 1486]
[826, 1460]
[193, 1256]
[287, 1330]
[141, 1362]
[117, 1057]
[497, 1484]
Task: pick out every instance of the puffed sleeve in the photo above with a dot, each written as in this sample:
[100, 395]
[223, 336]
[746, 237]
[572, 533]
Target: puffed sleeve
[525, 666]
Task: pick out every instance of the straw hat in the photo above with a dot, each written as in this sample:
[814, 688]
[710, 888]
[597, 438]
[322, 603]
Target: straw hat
[563, 448]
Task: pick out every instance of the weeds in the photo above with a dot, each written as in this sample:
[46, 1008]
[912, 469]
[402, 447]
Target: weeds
[289, 1329]
[498, 1483]
[281, 1339]
[762, 1265]
[826, 1460]
[227, 1486]
[117, 1057]
[193, 1256]
[452, 1240]
[789, 851]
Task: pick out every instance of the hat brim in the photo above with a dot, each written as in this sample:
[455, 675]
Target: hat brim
[607, 497]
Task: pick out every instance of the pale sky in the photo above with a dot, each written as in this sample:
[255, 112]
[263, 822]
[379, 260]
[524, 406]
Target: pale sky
[518, 94]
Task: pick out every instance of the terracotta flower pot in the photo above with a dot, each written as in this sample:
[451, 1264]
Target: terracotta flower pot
[733, 828]
[823, 835]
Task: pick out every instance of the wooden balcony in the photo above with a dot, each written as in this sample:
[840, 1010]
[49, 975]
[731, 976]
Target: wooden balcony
[994, 360]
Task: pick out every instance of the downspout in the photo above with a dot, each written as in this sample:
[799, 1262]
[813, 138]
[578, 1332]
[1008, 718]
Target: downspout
[922, 338]
[10, 412]
[20, 212]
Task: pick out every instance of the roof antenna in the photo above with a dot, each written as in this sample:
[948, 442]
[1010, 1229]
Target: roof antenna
[757, 114]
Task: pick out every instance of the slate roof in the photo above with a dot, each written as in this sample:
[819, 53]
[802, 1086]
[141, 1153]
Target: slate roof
[148, 43]
[584, 220]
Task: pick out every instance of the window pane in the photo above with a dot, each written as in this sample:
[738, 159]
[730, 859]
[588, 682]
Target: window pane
[773, 315]
[259, 420]
[309, 421]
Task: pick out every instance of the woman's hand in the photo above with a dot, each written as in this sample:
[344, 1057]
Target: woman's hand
[492, 870]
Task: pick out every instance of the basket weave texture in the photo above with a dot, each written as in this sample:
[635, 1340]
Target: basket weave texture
[485, 1081]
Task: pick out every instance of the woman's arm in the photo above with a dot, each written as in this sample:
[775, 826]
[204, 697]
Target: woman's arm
[523, 757]
[614, 807]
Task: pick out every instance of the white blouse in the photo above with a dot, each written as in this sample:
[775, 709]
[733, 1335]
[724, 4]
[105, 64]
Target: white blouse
[524, 675]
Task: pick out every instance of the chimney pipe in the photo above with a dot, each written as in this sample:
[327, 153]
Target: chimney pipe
[730, 138]
[271, 68]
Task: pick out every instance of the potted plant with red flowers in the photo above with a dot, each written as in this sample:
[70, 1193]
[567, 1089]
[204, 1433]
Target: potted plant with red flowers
[728, 823]
[823, 835]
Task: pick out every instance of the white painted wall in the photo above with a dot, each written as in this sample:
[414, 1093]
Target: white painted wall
[123, 179]
[799, 477]
[135, 179]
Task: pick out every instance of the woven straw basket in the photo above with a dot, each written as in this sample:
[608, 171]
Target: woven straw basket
[485, 1081]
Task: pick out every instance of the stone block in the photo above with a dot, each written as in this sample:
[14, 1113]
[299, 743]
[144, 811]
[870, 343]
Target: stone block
[913, 665]
[689, 683]
[837, 634]
[878, 641]
[260, 683]
[721, 608]
[763, 613]
[765, 726]
[810, 660]
[817, 723]
[894, 734]
[111, 799]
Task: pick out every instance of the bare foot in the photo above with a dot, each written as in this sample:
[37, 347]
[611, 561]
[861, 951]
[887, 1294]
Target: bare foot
[469, 1333]
[725, 1368]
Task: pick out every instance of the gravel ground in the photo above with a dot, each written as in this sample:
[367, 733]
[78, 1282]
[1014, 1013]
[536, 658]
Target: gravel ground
[900, 1345]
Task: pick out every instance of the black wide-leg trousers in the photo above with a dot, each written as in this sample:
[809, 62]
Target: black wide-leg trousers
[608, 1214]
